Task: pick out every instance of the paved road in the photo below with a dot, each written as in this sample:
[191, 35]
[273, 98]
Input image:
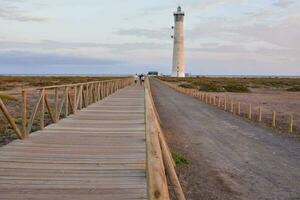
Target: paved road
[231, 158]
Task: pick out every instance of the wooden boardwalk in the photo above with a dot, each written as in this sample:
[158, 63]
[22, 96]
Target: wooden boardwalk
[97, 153]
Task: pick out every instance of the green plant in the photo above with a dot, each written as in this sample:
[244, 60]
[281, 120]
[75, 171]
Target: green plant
[236, 88]
[186, 85]
[7, 97]
[18, 121]
[179, 159]
[294, 89]
[211, 88]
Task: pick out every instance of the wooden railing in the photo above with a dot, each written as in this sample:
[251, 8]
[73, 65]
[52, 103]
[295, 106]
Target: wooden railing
[60, 101]
[160, 164]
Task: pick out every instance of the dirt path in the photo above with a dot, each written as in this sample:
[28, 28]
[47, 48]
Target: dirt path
[230, 158]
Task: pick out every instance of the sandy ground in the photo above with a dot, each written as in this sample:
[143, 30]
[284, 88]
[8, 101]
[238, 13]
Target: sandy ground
[230, 158]
[283, 102]
[269, 100]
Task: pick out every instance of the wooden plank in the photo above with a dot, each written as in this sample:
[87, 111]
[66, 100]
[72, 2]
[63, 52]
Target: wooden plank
[97, 153]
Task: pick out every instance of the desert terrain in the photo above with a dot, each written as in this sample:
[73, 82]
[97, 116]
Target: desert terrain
[270, 94]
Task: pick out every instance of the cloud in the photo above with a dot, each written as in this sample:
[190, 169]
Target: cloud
[21, 58]
[56, 45]
[162, 33]
[283, 3]
[284, 34]
[12, 12]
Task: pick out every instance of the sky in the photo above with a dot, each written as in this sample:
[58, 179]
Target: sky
[222, 37]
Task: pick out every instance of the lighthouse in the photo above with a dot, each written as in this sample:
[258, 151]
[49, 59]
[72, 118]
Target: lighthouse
[178, 49]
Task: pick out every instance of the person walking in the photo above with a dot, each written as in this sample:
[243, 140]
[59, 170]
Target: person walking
[140, 78]
[136, 78]
[143, 79]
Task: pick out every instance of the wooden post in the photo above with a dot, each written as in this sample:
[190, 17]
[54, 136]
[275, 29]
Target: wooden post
[94, 92]
[274, 119]
[98, 91]
[42, 119]
[87, 95]
[105, 89]
[56, 105]
[291, 121]
[75, 100]
[219, 103]
[231, 106]
[214, 100]
[66, 101]
[250, 111]
[24, 112]
[102, 90]
[239, 108]
[34, 112]
[80, 96]
[225, 102]
[210, 99]
[49, 108]
[110, 87]
[259, 115]
[10, 119]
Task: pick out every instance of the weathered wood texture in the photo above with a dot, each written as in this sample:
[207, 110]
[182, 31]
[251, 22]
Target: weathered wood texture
[96, 153]
[157, 180]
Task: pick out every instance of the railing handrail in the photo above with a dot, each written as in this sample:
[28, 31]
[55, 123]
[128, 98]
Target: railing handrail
[77, 84]
[71, 102]
[159, 153]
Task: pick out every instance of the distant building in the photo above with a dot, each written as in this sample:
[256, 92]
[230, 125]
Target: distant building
[152, 73]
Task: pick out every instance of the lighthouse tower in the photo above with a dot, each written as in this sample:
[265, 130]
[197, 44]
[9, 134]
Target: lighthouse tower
[178, 50]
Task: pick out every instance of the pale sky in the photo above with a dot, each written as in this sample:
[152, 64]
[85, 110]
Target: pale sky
[223, 37]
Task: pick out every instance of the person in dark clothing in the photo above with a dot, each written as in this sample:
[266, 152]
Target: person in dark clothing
[140, 78]
[143, 79]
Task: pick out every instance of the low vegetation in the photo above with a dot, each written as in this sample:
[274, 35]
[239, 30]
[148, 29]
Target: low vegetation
[7, 97]
[294, 89]
[243, 85]
[179, 159]
[186, 85]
